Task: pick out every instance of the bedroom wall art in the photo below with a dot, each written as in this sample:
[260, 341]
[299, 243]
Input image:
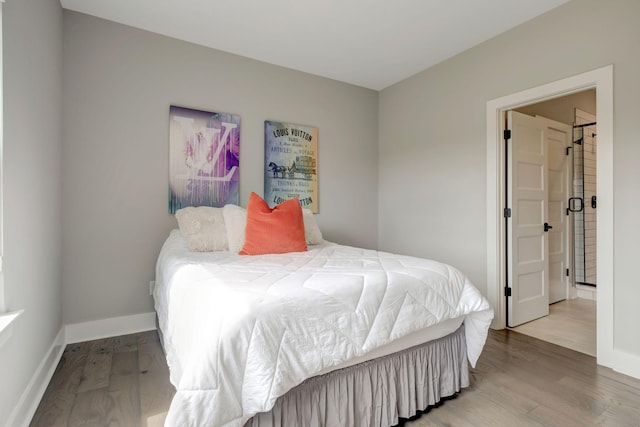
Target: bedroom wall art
[291, 164]
[204, 149]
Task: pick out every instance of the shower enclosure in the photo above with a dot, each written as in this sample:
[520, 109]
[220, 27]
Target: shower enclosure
[584, 202]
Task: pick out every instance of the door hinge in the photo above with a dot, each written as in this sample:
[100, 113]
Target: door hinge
[507, 291]
[567, 151]
[507, 134]
[507, 212]
[567, 272]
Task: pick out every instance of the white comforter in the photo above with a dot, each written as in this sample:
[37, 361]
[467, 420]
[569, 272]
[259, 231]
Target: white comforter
[240, 331]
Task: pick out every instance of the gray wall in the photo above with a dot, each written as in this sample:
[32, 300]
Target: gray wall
[118, 85]
[32, 39]
[432, 177]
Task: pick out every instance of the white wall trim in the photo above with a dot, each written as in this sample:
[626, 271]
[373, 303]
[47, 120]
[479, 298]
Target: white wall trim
[30, 399]
[602, 80]
[112, 327]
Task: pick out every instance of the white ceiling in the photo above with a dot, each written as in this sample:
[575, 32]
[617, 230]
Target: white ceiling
[369, 43]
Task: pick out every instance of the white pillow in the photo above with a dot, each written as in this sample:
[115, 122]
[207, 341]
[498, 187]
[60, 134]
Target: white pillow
[203, 227]
[312, 232]
[235, 219]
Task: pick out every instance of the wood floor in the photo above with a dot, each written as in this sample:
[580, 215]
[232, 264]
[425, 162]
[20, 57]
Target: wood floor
[121, 381]
[519, 381]
[570, 323]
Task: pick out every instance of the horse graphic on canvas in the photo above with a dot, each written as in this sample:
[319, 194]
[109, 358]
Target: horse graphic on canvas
[277, 169]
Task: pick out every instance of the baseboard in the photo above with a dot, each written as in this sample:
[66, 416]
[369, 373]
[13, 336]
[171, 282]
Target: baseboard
[104, 328]
[586, 292]
[626, 363]
[32, 395]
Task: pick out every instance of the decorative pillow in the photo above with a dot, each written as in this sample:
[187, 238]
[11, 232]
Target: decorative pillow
[312, 232]
[235, 219]
[273, 231]
[203, 227]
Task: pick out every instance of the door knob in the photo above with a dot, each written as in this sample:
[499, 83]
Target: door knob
[547, 227]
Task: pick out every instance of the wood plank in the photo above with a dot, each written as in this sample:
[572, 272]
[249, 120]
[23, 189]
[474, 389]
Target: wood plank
[504, 397]
[124, 387]
[150, 353]
[68, 373]
[619, 399]
[54, 410]
[97, 370]
[125, 363]
[148, 336]
[124, 401]
[447, 414]
[125, 343]
[156, 390]
[552, 417]
[90, 408]
[59, 397]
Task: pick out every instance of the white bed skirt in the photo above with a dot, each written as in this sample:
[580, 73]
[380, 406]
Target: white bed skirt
[378, 392]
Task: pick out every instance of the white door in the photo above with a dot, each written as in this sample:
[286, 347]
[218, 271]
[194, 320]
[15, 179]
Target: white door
[527, 240]
[558, 138]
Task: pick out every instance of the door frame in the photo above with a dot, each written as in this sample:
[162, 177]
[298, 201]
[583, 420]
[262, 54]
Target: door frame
[602, 80]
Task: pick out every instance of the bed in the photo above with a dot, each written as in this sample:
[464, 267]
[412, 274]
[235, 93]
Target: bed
[333, 335]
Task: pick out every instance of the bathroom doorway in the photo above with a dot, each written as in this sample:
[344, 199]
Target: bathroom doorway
[497, 284]
[569, 317]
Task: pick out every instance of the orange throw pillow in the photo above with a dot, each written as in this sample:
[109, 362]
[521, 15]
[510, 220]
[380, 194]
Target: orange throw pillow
[273, 231]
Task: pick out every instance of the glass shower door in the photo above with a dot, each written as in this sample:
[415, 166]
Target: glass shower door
[584, 203]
